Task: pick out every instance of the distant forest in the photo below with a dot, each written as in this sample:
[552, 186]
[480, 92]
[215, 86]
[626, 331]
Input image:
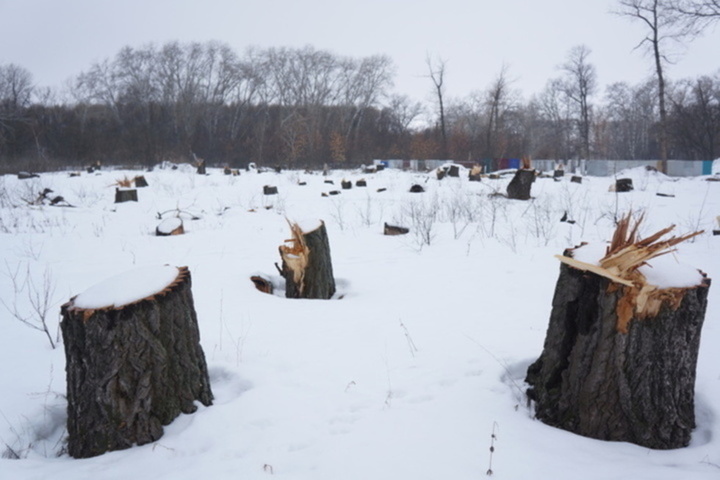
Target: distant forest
[302, 108]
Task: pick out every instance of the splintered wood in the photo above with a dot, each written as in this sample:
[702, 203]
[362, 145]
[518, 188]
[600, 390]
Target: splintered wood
[295, 254]
[625, 254]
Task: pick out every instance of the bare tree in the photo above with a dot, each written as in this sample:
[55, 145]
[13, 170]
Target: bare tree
[579, 85]
[663, 24]
[497, 102]
[701, 13]
[436, 73]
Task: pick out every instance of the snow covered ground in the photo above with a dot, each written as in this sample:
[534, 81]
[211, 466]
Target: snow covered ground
[405, 375]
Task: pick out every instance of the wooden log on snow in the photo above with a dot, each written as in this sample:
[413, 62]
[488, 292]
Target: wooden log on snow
[26, 175]
[519, 186]
[262, 284]
[394, 230]
[620, 355]
[125, 195]
[133, 359]
[306, 263]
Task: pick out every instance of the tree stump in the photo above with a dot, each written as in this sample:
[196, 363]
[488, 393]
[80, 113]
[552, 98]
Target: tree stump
[624, 185]
[417, 189]
[140, 181]
[440, 173]
[453, 171]
[619, 357]
[519, 186]
[361, 183]
[346, 184]
[576, 179]
[269, 190]
[201, 168]
[170, 226]
[306, 263]
[475, 173]
[125, 195]
[558, 173]
[133, 359]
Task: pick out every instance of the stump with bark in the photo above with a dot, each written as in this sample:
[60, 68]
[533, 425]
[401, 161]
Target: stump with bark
[620, 354]
[125, 195]
[346, 184]
[519, 186]
[417, 188]
[624, 185]
[361, 183]
[270, 190]
[576, 179]
[453, 171]
[475, 173]
[140, 181]
[133, 364]
[306, 263]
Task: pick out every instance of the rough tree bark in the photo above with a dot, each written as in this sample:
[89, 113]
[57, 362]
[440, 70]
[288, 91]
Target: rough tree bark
[307, 265]
[519, 186]
[132, 369]
[618, 361]
[125, 195]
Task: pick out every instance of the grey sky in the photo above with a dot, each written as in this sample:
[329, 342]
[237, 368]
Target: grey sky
[57, 39]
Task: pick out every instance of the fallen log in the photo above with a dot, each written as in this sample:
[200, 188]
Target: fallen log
[394, 230]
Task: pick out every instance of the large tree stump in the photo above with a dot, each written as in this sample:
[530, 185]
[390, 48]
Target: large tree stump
[519, 186]
[620, 355]
[306, 263]
[133, 359]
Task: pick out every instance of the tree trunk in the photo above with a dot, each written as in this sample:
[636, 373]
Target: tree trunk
[519, 186]
[307, 265]
[596, 380]
[132, 369]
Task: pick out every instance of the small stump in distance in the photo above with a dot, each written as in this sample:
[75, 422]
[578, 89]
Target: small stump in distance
[125, 195]
[346, 184]
[620, 354]
[270, 190]
[624, 185]
[576, 179]
[306, 263]
[133, 360]
[140, 181]
[417, 189]
[361, 183]
[170, 226]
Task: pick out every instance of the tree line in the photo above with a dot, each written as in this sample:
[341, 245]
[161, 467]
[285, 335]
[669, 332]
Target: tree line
[304, 107]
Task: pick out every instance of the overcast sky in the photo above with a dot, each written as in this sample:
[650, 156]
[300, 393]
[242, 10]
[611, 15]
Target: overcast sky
[57, 39]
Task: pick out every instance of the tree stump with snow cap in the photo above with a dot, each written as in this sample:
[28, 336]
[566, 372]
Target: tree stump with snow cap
[621, 347]
[306, 263]
[133, 359]
[170, 226]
